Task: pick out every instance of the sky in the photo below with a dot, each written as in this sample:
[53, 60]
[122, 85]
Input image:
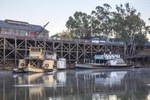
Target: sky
[57, 12]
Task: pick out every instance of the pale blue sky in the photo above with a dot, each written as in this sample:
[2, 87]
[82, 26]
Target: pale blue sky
[57, 12]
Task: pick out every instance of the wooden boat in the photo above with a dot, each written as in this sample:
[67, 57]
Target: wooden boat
[104, 61]
[37, 61]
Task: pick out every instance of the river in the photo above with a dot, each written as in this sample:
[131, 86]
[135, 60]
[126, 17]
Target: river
[121, 84]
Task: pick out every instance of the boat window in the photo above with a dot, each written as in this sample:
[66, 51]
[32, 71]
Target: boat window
[99, 53]
[35, 50]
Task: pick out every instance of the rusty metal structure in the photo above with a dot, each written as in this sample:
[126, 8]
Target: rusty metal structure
[13, 48]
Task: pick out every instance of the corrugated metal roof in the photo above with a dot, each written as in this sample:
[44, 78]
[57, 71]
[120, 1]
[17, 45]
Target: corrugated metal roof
[28, 27]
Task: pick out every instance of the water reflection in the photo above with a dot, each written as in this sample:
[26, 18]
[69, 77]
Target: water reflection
[100, 85]
[76, 85]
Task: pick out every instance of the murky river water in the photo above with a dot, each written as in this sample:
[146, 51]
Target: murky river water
[133, 84]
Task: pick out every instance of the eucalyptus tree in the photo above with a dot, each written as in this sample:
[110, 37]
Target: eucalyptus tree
[103, 23]
[127, 22]
[128, 25]
[118, 21]
[78, 24]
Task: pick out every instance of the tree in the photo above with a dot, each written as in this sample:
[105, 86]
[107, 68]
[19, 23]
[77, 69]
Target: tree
[128, 25]
[103, 18]
[79, 25]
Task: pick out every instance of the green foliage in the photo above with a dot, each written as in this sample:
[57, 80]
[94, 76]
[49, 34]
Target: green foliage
[79, 25]
[103, 16]
[64, 34]
[140, 39]
[128, 25]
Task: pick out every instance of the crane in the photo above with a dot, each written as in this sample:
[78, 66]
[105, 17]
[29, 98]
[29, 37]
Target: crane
[40, 30]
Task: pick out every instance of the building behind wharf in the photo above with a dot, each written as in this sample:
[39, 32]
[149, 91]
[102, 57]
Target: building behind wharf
[19, 28]
[16, 37]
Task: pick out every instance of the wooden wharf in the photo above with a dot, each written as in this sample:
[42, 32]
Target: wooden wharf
[13, 48]
[137, 56]
[139, 60]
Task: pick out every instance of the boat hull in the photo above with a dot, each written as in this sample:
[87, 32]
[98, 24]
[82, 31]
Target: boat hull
[19, 70]
[99, 66]
[37, 70]
[31, 69]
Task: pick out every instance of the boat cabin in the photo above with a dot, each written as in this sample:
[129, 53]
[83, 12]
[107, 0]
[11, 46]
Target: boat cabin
[50, 55]
[36, 52]
[104, 57]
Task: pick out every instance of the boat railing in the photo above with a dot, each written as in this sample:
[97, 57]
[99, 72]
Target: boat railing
[87, 61]
[106, 56]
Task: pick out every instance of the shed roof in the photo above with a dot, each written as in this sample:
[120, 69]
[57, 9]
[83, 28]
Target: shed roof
[147, 44]
[20, 25]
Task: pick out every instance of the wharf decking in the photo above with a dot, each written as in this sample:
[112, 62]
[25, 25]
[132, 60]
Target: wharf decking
[137, 56]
